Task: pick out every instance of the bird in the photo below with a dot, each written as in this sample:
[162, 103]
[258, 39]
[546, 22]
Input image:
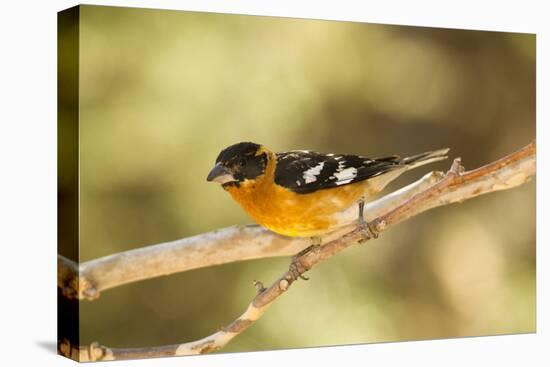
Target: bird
[302, 193]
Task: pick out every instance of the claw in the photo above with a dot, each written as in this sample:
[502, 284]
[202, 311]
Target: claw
[296, 268]
[368, 229]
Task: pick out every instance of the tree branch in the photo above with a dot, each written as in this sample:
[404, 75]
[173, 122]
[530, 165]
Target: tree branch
[222, 246]
[457, 186]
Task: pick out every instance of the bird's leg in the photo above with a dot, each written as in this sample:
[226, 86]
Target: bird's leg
[368, 229]
[361, 217]
[296, 268]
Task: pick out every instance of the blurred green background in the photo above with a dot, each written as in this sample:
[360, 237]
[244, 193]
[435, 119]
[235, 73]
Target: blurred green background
[162, 92]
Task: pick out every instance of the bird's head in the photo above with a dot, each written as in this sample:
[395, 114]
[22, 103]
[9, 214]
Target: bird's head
[239, 162]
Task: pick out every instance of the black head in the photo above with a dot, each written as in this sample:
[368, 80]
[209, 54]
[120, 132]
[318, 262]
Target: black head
[239, 162]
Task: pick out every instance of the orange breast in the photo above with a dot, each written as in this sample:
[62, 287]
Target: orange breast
[291, 214]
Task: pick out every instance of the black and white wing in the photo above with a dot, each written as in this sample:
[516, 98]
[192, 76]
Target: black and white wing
[304, 172]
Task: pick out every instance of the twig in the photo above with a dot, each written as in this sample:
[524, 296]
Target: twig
[457, 186]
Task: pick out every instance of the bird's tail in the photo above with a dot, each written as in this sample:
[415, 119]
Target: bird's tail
[425, 158]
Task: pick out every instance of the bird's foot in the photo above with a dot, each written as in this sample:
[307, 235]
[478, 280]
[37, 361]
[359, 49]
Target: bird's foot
[369, 230]
[297, 268]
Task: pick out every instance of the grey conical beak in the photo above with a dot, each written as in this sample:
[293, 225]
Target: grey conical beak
[220, 174]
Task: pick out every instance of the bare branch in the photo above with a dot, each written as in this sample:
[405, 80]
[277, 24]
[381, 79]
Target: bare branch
[457, 186]
[222, 246]
[67, 276]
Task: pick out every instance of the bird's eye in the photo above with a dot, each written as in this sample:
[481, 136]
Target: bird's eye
[242, 162]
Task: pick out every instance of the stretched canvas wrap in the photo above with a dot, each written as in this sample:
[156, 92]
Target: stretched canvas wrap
[154, 260]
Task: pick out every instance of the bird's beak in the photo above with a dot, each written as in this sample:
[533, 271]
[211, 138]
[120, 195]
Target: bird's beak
[220, 175]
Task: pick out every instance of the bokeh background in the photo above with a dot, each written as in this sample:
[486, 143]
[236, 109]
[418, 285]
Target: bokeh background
[162, 92]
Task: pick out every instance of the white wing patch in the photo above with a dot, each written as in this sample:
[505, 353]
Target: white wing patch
[344, 176]
[310, 175]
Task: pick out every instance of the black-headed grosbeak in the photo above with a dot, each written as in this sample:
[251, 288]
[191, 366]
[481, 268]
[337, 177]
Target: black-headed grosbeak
[301, 193]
